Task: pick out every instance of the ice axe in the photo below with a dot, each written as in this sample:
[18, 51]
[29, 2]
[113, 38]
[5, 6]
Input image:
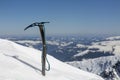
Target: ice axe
[42, 31]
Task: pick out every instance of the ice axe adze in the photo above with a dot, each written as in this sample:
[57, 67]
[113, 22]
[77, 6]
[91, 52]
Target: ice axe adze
[42, 31]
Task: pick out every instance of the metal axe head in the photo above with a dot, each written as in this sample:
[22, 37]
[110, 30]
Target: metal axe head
[36, 24]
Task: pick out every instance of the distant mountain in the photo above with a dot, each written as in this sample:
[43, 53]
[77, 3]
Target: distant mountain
[101, 58]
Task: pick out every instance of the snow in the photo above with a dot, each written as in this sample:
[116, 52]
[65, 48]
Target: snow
[110, 50]
[22, 63]
[28, 41]
[65, 44]
[101, 48]
[82, 53]
[36, 42]
[52, 42]
[81, 46]
[112, 47]
[108, 46]
[96, 65]
[113, 38]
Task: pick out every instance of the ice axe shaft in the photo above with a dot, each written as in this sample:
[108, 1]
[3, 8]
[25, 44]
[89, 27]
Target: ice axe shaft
[41, 28]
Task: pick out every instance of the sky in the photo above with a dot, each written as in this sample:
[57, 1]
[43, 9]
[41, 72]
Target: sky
[65, 16]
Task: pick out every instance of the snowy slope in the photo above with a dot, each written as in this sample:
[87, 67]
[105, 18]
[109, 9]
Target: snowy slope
[22, 63]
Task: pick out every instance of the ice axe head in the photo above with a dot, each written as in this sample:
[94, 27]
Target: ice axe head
[39, 24]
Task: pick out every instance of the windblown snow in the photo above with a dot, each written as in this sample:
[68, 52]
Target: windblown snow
[22, 63]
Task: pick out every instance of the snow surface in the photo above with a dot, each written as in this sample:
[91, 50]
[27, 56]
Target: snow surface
[22, 63]
[81, 46]
[113, 38]
[36, 42]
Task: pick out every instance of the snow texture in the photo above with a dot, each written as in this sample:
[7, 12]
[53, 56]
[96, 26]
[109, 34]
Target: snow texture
[22, 63]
